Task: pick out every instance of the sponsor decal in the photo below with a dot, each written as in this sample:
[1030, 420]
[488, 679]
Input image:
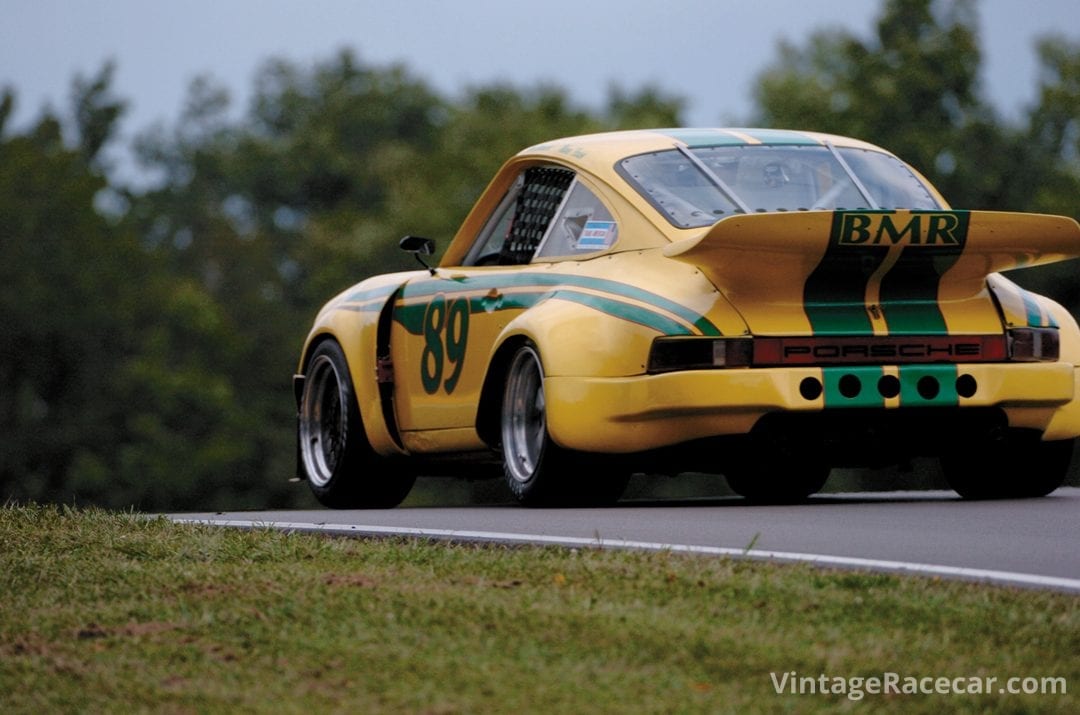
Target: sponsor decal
[943, 229]
[597, 236]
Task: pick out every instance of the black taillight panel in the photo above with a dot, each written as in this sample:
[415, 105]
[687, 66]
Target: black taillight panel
[1034, 344]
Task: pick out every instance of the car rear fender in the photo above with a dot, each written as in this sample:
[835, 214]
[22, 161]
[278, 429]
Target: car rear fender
[1065, 423]
[571, 340]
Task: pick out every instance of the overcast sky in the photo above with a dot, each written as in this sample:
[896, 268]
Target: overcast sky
[708, 51]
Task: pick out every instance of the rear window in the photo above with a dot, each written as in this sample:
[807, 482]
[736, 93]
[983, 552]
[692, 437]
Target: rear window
[697, 187]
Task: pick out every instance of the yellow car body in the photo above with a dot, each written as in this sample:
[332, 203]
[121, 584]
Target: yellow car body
[766, 303]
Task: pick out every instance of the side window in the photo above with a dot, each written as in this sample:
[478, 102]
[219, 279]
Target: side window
[545, 214]
[489, 244]
[584, 225]
[539, 199]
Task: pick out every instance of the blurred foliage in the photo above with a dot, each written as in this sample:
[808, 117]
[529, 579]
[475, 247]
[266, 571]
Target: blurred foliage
[150, 330]
[914, 88]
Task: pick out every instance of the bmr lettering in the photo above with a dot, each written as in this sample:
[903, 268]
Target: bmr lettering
[930, 229]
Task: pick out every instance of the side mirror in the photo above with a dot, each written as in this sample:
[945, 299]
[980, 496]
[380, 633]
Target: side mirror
[419, 246]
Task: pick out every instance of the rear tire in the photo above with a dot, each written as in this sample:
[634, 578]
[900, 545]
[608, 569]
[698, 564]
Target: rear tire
[1009, 465]
[538, 471]
[341, 468]
[775, 484]
[777, 468]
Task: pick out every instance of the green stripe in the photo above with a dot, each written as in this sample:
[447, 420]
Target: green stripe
[626, 311]
[867, 376]
[411, 317]
[1036, 317]
[941, 376]
[778, 136]
[834, 295]
[1034, 314]
[426, 287]
[944, 375]
[361, 296]
[698, 138]
[909, 293]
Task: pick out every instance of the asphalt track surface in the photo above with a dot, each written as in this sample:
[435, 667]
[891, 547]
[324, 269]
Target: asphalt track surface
[1027, 543]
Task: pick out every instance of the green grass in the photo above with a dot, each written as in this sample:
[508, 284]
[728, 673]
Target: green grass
[107, 612]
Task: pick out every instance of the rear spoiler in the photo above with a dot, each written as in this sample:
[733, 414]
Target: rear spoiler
[792, 245]
[840, 260]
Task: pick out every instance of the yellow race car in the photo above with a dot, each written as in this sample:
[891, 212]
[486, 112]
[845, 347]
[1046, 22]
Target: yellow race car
[760, 303]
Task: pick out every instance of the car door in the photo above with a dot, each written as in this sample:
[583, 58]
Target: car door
[444, 325]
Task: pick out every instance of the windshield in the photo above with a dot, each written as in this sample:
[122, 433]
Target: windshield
[698, 187]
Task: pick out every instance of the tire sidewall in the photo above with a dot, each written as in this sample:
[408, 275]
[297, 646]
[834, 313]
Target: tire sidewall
[533, 488]
[360, 478]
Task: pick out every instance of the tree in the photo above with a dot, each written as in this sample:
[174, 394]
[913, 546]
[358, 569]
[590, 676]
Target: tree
[1052, 157]
[111, 368]
[1054, 126]
[264, 219]
[61, 292]
[260, 221]
[912, 88]
[646, 108]
[96, 112]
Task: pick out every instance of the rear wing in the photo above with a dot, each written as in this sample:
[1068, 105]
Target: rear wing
[847, 262]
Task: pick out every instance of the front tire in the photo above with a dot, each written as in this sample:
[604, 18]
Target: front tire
[341, 468]
[538, 471]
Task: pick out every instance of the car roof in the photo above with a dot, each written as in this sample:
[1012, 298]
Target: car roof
[598, 153]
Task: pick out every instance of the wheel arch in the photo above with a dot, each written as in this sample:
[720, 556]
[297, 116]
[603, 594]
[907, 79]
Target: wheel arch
[333, 449]
[359, 335]
[570, 339]
[491, 393]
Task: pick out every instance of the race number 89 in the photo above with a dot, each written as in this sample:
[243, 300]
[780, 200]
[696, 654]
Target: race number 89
[446, 332]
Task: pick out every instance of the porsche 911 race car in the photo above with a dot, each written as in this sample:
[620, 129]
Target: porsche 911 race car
[759, 303]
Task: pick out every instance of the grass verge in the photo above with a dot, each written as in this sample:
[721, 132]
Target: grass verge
[108, 612]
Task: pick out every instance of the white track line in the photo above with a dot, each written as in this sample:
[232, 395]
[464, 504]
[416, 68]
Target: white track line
[902, 567]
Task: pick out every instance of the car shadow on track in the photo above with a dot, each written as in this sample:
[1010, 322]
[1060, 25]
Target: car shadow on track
[816, 500]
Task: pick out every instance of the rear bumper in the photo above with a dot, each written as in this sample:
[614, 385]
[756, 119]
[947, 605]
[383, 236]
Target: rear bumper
[624, 415]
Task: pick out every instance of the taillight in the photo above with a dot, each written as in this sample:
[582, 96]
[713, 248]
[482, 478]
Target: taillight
[1034, 344]
[669, 354]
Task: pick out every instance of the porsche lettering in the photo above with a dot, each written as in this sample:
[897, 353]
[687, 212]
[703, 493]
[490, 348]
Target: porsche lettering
[879, 350]
[902, 350]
